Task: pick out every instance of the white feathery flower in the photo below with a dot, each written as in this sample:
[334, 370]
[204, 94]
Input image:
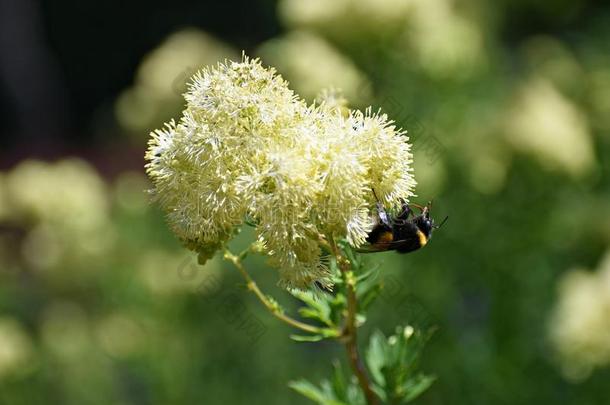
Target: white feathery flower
[246, 146]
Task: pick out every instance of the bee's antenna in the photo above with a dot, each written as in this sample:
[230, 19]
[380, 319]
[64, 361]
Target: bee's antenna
[419, 207]
[442, 223]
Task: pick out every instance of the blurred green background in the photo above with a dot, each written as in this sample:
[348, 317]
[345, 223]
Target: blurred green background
[507, 104]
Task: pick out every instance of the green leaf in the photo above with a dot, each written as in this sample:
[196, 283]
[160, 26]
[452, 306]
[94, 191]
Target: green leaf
[341, 389]
[338, 306]
[376, 357]
[393, 363]
[311, 313]
[318, 306]
[373, 271]
[415, 386]
[323, 307]
[308, 390]
[339, 382]
[314, 393]
[367, 291]
[351, 255]
[380, 392]
[307, 338]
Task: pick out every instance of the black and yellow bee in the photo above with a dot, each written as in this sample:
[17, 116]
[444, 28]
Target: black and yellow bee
[404, 232]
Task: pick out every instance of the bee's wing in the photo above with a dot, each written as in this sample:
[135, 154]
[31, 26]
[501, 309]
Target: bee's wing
[382, 246]
[370, 249]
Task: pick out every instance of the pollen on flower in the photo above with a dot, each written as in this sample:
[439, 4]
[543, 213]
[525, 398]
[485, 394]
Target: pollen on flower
[247, 146]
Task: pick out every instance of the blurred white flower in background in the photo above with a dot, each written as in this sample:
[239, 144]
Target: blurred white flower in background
[445, 43]
[580, 325]
[311, 63]
[68, 192]
[16, 349]
[543, 122]
[161, 79]
[430, 33]
[64, 210]
[345, 19]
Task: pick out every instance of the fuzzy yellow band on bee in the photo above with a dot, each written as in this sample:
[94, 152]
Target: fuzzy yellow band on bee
[422, 238]
[385, 237]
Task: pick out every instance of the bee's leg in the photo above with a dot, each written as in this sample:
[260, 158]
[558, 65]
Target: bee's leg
[405, 213]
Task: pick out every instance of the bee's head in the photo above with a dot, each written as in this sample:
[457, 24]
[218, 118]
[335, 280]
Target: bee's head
[425, 223]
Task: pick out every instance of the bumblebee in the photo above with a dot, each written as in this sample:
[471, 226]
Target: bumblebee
[404, 233]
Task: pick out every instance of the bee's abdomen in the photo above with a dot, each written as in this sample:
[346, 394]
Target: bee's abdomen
[380, 234]
[408, 238]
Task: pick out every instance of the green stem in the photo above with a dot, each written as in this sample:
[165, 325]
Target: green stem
[271, 306]
[350, 333]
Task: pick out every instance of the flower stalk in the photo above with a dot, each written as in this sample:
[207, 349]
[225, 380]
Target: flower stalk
[269, 304]
[350, 331]
[348, 336]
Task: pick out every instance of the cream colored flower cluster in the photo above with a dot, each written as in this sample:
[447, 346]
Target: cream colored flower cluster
[62, 212]
[580, 327]
[246, 147]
